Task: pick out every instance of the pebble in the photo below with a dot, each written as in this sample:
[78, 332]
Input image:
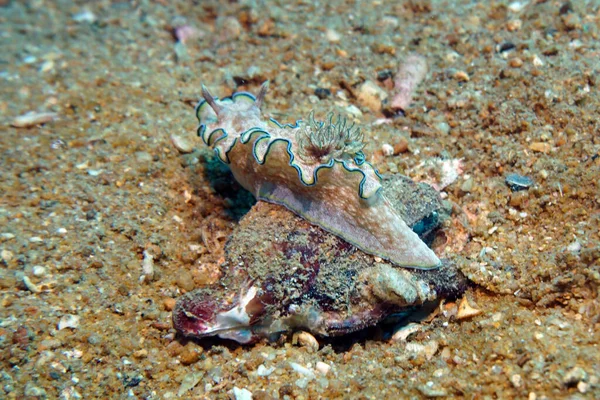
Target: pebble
[68, 321]
[516, 380]
[518, 182]
[465, 310]
[401, 146]
[333, 36]
[302, 370]
[242, 394]
[38, 270]
[264, 371]
[182, 144]
[322, 93]
[189, 382]
[461, 76]
[387, 150]
[33, 118]
[540, 147]
[147, 267]
[354, 111]
[371, 95]
[7, 236]
[169, 304]
[574, 247]
[323, 368]
[6, 255]
[85, 16]
[515, 62]
[517, 6]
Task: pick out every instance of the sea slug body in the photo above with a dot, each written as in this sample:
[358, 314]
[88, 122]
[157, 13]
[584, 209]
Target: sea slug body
[316, 169]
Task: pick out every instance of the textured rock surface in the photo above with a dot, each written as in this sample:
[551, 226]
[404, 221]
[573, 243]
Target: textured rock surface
[307, 278]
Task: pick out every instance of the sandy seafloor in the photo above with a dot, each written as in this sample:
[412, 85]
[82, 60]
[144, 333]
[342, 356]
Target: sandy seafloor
[511, 88]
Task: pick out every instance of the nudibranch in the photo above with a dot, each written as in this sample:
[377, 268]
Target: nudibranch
[316, 169]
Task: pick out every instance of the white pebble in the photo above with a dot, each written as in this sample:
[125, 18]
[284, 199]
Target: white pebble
[387, 150]
[61, 231]
[302, 370]
[264, 371]
[354, 111]
[323, 368]
[38, 270]
[537, 61]
[85, 16]
[33, 118]
[242, 394]
[68, 321]
[333, 36]
[516, 380]
[6, 255]
[182, 144]
[517, 6]
[47, 66]
[147, 267]
[574, 247]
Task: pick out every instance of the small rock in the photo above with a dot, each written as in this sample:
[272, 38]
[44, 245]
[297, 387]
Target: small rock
[467, 185]
[465, 310]
[147, 267]
[461, 76]
[401, 146]
[322, 368]
[33, 118]
[6, 255]
[169, 304]
[583, 387]
[333, 36]
[85, 16]
[68, 321]
[517, 6]
[516, 380]
[302, 370]
[189, 382]
[241, 394]
[322, 93]
[518, 182]
[387, 150]
[515, 62]
[371, 95]
[354, 111]
[430, 389]
[264, 371]
[540, 147]
[38, 271]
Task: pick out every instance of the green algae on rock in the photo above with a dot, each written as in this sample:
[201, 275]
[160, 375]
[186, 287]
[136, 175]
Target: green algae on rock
[315, 169]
